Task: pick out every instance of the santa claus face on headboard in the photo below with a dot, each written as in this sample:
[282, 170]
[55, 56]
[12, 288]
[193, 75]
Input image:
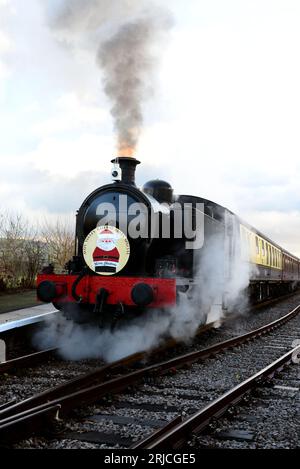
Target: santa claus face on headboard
[106, 241]
[106, 250]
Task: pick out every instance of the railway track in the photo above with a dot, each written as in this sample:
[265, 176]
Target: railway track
[36, 357]
[62, 390]
[145, 408]
[267, 418]
[27, 360]
[177, 432]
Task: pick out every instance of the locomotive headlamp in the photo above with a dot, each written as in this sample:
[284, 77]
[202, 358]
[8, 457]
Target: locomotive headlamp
[116, 172]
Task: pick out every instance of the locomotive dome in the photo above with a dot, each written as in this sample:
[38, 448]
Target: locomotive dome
[162, 191]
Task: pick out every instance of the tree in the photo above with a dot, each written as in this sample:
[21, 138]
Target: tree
[59, 238]
[35, 251]
[22, 254]
[25, 248]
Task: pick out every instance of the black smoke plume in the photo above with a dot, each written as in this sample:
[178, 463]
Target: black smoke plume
[128, 36]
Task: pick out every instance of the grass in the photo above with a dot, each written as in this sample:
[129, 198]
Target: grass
[17, 300]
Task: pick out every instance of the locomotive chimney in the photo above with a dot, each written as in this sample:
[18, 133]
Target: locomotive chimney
[128, 166]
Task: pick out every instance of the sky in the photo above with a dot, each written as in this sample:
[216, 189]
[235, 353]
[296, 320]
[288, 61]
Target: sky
[223, 123]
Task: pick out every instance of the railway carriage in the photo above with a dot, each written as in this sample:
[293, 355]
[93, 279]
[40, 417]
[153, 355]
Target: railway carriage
[276, 270]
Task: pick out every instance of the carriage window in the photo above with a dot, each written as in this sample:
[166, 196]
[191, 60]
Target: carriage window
[257, 245]
[263, 248]
[268, 254]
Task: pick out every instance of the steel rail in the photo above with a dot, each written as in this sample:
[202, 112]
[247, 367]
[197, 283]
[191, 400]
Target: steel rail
[23, 424]
[70, 386]
[179, 433]
[26, 360]
[82, 381]
[91, 394]
[275, 300]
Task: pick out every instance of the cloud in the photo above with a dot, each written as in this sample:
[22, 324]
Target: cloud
[27, 188]
[5, 43]
[36, 191]
[224, 124]
[71, 114]
[6, 46]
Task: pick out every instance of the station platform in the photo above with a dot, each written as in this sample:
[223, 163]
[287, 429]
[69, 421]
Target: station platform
[26, 316]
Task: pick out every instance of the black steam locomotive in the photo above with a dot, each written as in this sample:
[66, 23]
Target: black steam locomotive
[149, 249]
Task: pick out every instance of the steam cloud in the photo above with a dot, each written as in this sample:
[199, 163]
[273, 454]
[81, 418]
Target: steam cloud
[77, 342]
[128, 59]
[149, 331]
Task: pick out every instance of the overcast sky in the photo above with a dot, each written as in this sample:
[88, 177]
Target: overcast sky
[223, 124]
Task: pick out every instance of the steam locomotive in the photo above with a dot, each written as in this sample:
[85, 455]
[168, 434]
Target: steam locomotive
[139, 250]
